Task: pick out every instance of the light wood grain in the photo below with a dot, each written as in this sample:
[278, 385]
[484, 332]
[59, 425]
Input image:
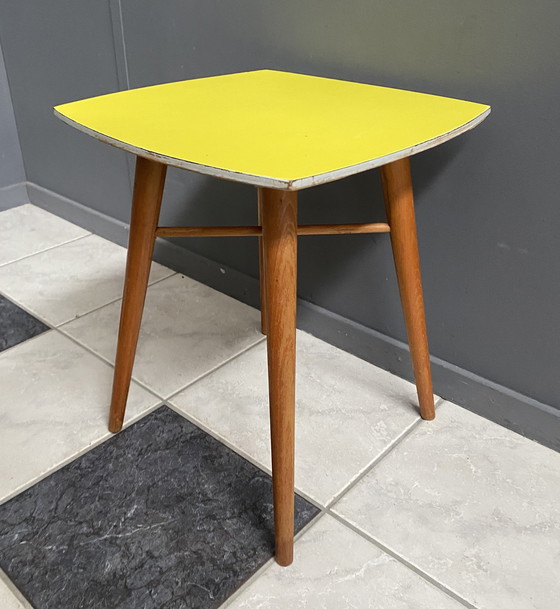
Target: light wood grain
[146, 202]
[279, 222]
[343, 229]
[208, 231]
[255, 231]
[399, 203]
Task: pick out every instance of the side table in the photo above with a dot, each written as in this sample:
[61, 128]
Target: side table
[281, 132]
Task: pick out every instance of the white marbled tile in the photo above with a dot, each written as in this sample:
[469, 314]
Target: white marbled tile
[348, 412]
[27, 229]
[68, 281]
[54, 404]
[472, 504]
[335, 568]
[187, 330]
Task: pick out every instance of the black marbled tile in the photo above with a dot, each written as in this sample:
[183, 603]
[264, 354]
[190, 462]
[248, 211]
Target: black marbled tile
[160, 516]
[16, 325]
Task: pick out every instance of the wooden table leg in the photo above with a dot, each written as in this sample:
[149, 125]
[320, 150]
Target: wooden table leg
[262, 268]
[279, 222]
[146, 202]
[399, 203]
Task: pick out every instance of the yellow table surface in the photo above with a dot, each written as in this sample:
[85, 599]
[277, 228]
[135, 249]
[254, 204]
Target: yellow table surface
[273, 129]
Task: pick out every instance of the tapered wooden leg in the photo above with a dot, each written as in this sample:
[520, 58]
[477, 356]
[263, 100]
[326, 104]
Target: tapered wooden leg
[146, 203]
[399, 203]
[262, 268]
[279, 222]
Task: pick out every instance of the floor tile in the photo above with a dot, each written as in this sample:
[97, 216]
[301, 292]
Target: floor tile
[187, 330]
[16, 325]
[27, 229]
[71, 280]
[54, 403]
[348, 412]
[335, 568]
[162, 516]
[472, 504]
[8, 599]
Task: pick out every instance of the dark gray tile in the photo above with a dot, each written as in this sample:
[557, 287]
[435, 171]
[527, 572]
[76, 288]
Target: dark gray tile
[160, 516]
[16, 325]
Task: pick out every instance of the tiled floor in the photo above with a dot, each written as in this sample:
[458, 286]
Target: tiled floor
[175, 511]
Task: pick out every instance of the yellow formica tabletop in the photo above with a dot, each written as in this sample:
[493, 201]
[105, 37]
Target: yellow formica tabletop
[273, 129]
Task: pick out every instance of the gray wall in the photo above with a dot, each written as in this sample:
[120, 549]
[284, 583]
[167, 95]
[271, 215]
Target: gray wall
[63, 50]
[11, 161]
[487, 203]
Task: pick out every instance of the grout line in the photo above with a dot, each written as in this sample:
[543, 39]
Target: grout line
[106, 361]
[269, 563]
[48, 323]
[65, 335]
[309, 525]
[14, 591]
[47, 249]
[389, 449]
[222, 440]
[247, 583]
[110, 302]
[434, 582]
[142, 384]
[239, 451]
[161, 401]
[25, 341]
[106, 436]
[25, 308]
[34, 315]
[59, 330]
[217, 437]
[28, 310]
[166, 400]
[215, 368]
[309, 499]
[158, 405]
